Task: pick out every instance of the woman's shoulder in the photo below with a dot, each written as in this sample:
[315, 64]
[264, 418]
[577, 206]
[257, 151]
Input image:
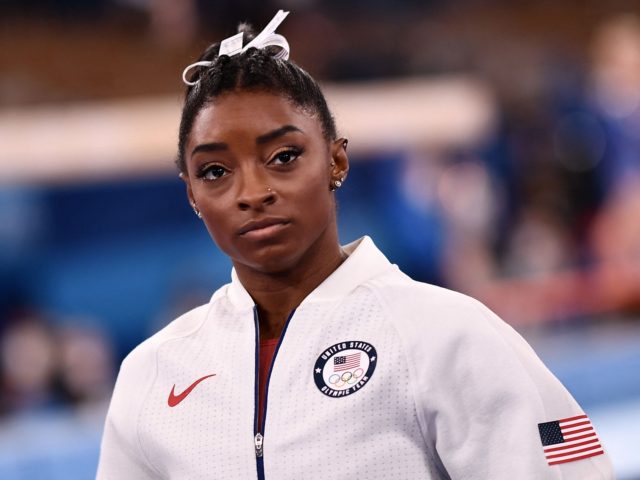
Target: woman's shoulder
[184, 325]
[431, 311]
[444, 324]
[190, 323]
[398, 289]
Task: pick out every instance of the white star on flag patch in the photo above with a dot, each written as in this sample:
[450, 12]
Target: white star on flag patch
[569, 439]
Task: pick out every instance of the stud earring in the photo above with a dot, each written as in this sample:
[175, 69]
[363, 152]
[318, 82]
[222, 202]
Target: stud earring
[336, 184]
[345, 143]
[196, 210]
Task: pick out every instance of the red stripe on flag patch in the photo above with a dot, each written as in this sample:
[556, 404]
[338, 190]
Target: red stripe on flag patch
[579, 424]
[571, 419]
[570, 431]
[573, 459]
[592, 434]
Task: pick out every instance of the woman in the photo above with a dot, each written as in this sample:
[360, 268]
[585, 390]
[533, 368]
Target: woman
[318, 361]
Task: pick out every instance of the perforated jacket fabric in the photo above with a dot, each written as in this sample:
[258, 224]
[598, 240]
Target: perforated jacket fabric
[376, 376]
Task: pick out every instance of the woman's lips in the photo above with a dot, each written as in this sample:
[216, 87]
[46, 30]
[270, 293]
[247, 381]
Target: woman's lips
[260, 230]
[265, 232]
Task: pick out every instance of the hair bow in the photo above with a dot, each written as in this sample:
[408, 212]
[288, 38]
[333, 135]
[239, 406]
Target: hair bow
[233, 45]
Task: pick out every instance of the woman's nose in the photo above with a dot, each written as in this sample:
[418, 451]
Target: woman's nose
[254, 191]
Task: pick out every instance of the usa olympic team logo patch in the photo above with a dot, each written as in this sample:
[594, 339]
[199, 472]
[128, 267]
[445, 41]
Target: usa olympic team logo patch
[344, 368]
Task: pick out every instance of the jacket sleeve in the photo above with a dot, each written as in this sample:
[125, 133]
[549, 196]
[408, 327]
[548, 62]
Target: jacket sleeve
[481, 394]
[121, 454]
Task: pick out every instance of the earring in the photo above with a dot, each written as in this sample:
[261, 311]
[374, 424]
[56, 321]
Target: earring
[196, 210]
[345, 143]
[335, 185]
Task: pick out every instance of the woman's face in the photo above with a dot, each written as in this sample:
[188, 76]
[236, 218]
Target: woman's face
[260, 171]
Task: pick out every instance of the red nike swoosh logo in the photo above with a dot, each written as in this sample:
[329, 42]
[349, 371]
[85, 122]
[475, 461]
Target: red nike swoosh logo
[176, 399]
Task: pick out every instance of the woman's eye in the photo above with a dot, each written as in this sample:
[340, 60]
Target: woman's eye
[213, 172]
[285, 157]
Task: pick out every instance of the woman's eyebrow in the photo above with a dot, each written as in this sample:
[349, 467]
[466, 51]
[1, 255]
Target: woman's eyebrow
[278, 132]
[209, 147]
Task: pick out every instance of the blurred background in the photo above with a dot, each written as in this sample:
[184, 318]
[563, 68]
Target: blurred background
[495, 150]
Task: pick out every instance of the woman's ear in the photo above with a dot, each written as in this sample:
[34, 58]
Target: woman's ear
[185, 178]
[192, 201]
[339, 160]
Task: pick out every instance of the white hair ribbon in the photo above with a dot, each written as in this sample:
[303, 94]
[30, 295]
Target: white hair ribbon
[233, 45]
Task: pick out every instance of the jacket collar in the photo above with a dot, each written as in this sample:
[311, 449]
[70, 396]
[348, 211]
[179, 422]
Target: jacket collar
[364, 262]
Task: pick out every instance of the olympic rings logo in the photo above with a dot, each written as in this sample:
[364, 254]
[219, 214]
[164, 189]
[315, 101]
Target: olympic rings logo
[347, 378]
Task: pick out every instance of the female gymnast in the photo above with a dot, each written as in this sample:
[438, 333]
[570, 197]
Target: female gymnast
[319, 361]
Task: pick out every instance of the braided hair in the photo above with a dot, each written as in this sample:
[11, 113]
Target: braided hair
[253, 70]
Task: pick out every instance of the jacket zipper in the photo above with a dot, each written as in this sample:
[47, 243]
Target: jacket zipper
[258, 430]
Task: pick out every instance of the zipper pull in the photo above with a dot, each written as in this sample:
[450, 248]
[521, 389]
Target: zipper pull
[258, 441]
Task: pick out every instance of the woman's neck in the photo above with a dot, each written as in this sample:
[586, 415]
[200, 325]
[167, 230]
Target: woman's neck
[276, 295]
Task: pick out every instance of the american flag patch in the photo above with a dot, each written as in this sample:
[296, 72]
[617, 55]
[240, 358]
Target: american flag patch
[569, 439]
[346, 362]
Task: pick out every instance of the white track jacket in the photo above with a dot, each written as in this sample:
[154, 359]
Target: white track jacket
[376, 376]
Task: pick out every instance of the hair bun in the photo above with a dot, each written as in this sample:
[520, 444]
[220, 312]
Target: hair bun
[248, 31]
